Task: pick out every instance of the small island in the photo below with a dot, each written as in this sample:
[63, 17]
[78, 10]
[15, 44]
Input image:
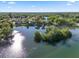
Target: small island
[53, 35]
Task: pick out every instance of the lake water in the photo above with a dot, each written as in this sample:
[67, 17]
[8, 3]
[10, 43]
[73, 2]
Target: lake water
[24, 45]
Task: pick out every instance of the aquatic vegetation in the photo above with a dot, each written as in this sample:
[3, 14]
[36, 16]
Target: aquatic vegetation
[53, 35]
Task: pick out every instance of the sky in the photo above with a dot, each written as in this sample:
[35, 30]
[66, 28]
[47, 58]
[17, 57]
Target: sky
[39, 6]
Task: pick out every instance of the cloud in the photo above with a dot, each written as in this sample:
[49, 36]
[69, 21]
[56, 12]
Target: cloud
[71, 2]
[41, 9]
[8, 2]
[8, 7]
[37, 8]
[11, 2]
[33, 6]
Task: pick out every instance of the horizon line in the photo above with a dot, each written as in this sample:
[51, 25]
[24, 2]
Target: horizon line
[40, 12]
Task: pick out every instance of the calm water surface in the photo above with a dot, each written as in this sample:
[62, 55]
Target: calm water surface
[24, 45]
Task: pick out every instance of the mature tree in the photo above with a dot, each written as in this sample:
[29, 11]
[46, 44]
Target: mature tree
[6, 27]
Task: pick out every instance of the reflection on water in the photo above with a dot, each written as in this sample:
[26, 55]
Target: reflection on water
[18, 38]
[16, 48]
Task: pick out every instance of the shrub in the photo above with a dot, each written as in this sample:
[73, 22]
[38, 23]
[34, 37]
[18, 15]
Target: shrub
[37, 37]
